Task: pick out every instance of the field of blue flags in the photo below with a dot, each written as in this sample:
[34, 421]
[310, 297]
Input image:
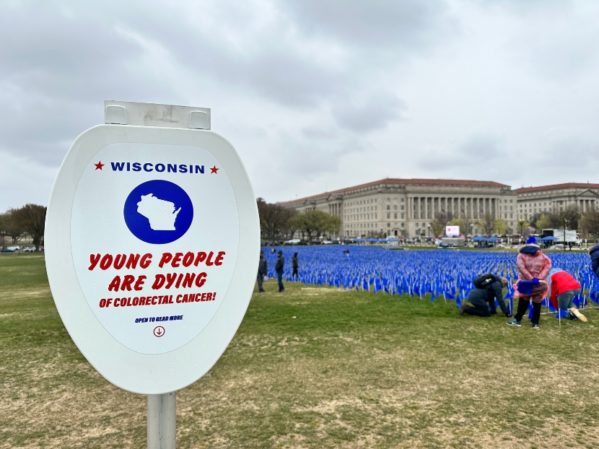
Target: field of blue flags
[431, 274]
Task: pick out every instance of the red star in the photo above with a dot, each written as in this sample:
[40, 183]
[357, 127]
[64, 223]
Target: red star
[214, 169]
[99, 165]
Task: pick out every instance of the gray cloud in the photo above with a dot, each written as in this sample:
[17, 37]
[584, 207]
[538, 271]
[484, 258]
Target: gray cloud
[474, 155]
[481, 148]
[57, 55]
[313, 94]
[304, 166]
[528, 6]
[319, 132]
[571, 153]
[389, 26]
[374, 112]
[311, 157]
[57, 66]
[564, 51]
[42, 129]
[265, 57]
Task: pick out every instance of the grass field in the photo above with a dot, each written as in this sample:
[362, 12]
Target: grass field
[313, 368]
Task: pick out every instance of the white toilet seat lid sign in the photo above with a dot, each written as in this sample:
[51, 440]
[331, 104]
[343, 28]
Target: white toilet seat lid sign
[146, 259]
[152, 242]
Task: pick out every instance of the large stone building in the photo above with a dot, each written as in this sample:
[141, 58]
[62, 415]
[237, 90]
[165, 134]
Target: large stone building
[556, 198]
[406, 207]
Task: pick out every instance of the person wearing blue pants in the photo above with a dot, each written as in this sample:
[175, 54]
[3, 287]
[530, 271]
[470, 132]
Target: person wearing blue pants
[481, 299]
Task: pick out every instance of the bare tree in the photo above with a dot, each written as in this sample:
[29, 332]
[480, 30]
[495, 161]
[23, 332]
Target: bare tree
[10, 226]
[3, 227]
[274, 220]
[32, 219]
[589, 224]
[439, 222]
[315, 223]
[487, 224]
[545, 221]
[569, 217]
[500, 226]
[522, 226]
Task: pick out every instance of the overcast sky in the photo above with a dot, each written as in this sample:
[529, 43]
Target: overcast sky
[315, 95]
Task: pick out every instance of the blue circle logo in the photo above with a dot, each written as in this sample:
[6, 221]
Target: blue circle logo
[158, 212]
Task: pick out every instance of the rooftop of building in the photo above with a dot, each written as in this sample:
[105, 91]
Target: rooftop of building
[562, 186]
[400, 182]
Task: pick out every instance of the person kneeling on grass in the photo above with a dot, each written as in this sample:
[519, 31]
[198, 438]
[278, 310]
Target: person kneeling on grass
[481, 299]
[564, 288]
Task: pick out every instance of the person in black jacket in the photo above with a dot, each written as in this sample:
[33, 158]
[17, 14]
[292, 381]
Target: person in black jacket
[295, 267]
[262, 271]
[594, 253]
[481, 299]
[279, 268]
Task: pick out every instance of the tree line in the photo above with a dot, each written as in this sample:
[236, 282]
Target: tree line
[278, 223]
[586, 223]
[16, 224]
[487, 225]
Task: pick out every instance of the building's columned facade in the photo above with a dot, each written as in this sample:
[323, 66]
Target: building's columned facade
[556, 198]
[406, 207]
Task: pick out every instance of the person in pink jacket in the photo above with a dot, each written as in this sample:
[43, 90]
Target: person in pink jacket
[533, 268]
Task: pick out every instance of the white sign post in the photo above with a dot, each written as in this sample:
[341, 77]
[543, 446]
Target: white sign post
[152, 242]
